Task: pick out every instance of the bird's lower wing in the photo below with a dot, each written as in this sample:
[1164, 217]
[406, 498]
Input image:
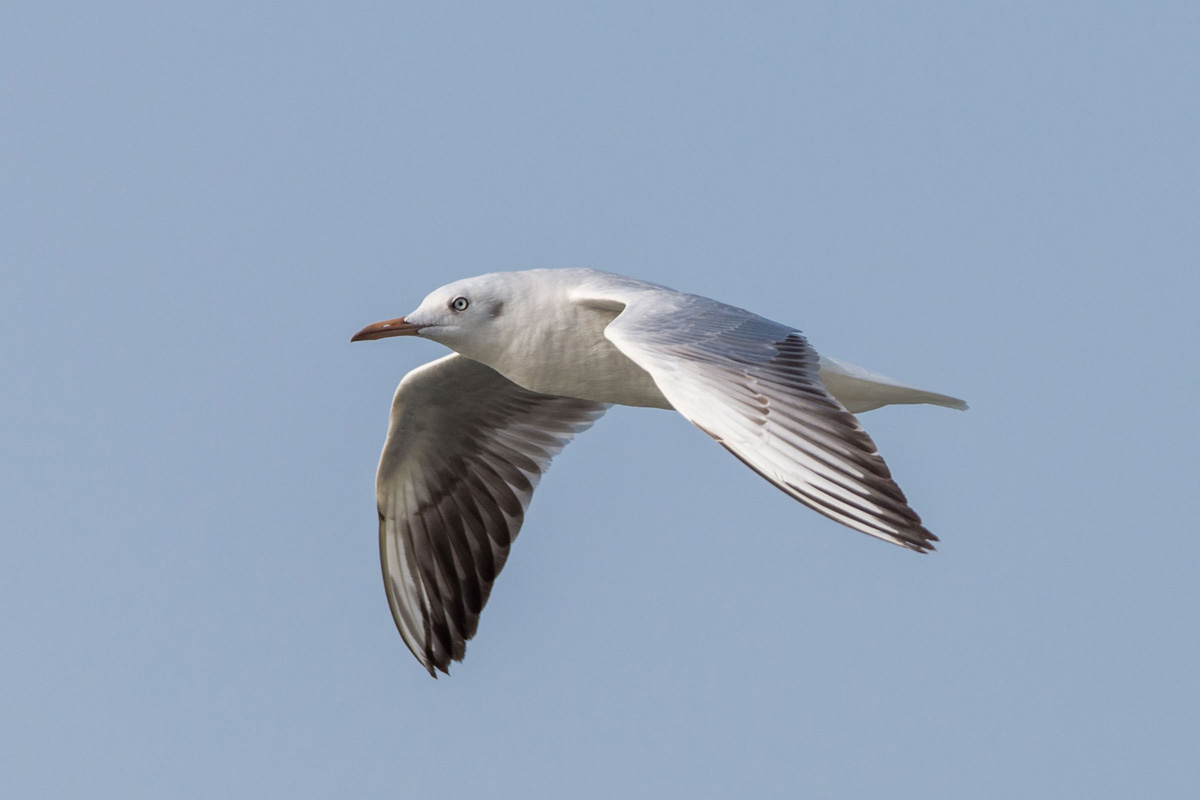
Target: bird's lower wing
[465, 449]
[754, 386]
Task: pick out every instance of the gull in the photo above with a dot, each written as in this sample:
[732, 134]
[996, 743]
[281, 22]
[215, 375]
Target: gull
[539, 356]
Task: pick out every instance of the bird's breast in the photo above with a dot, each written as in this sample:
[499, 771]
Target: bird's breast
[573, 358]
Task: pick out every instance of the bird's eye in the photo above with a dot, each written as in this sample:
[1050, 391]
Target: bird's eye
[460, 303]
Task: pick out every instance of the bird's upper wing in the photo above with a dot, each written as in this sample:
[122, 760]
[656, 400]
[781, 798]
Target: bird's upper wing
[754, 386]
[465, 449]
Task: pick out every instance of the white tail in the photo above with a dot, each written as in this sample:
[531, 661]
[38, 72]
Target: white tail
[859, 390]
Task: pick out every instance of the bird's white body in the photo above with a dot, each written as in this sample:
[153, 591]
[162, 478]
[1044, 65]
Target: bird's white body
[542, 354]
[549, 338]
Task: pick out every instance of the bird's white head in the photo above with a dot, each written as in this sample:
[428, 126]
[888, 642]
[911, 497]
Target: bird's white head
[470, 316]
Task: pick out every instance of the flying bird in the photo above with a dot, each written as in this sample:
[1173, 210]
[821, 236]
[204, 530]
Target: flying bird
[539, 356]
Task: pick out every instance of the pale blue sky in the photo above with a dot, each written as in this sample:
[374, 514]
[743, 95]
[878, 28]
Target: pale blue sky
[201, 204]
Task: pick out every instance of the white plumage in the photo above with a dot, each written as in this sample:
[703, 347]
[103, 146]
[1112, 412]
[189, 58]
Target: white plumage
[540, 356]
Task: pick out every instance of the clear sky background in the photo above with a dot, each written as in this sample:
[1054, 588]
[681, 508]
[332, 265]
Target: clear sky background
[202, 202]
